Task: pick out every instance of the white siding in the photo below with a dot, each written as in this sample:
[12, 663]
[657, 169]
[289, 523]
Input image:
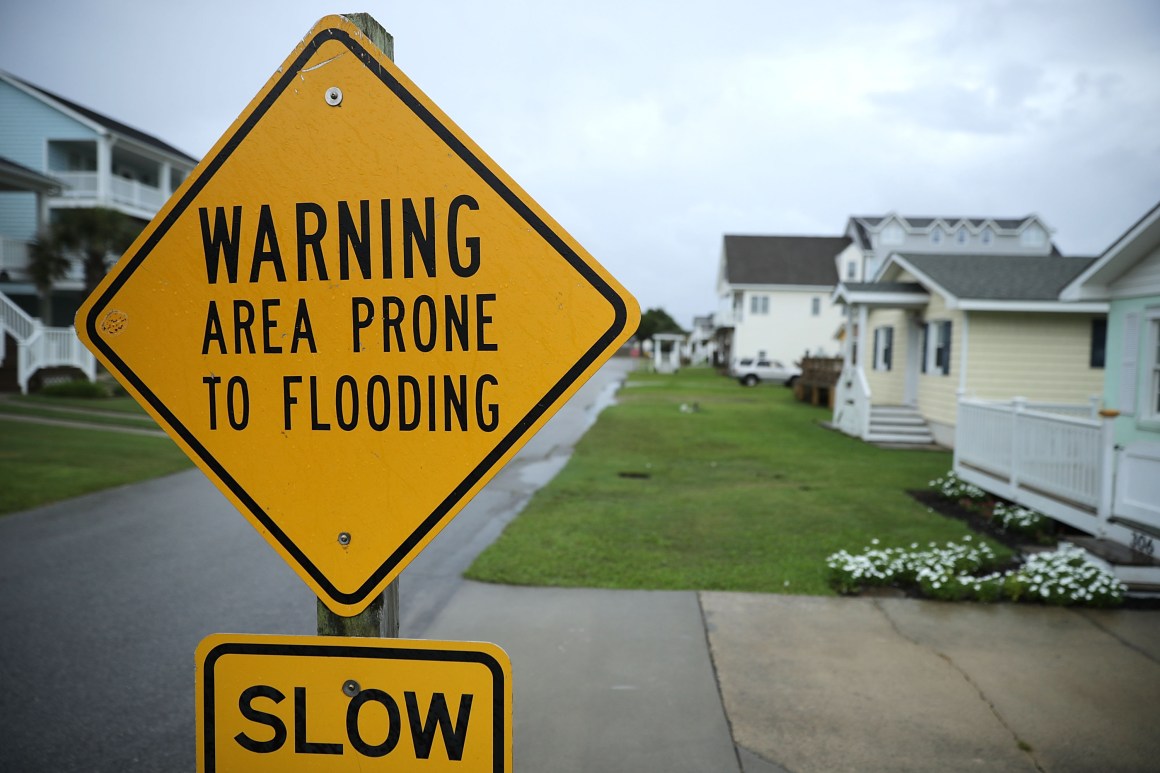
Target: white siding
[1142, 279]
[789, 329]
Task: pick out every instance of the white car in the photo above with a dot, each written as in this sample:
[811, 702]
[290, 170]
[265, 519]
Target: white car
[752, 371]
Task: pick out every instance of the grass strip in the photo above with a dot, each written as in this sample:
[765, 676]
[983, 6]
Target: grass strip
[745, 493]
[41, 463]
[45, 411]
[123, 404]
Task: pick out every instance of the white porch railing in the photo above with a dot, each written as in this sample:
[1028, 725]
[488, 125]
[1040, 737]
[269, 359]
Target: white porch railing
[852, 402]
[39, 347]
[1059, 464]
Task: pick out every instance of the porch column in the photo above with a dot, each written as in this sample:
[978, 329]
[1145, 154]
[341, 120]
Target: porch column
[1107, 467]
[1018, 405]
[104, 170]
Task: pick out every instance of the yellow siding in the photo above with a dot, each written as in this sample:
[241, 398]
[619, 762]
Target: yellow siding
[887, 387]
[938, 394]
[1043, 357]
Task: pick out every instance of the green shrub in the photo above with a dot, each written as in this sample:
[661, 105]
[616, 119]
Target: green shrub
[78, 388]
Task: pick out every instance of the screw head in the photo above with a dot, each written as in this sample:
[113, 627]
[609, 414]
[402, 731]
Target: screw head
[350, 688]
[334, 96]
[344, 538]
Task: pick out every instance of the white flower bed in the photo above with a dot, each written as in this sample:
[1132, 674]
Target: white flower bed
[1062, 576]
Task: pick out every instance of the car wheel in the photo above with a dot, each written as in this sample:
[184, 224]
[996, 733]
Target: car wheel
[791, 382]
[749, 380]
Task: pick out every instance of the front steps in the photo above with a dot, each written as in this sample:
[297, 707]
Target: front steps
[898, 424]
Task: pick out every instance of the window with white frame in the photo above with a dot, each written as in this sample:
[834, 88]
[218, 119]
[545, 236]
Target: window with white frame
[815, 307]
[936, 348]
[852, 270]
[936, 236]
[962, 235]
[883, 348]
[759, 304]
[987, 236]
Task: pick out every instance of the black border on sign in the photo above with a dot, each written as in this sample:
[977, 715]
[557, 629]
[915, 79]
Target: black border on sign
[487, 175]
[499, 686]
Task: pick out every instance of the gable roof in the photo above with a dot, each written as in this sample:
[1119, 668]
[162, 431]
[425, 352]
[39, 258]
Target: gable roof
[782, 260]
[1124, 252]
[105, 121]
[996, 282]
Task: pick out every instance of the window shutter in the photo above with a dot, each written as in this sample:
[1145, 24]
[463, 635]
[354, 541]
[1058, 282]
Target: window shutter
[944, 348]
[925, 343]
[877, 348]
[888, 353]
[1129, 369]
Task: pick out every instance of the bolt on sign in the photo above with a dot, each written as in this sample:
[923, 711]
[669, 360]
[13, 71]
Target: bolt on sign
[350, 317]
[318, 703]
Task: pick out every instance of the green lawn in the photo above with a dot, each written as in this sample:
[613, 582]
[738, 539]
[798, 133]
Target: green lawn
[748, 493]
[41, 463]
[122, 411]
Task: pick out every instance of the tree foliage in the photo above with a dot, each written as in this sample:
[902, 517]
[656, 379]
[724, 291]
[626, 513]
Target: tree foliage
[46, 264]
[97, 233]
[656, 321]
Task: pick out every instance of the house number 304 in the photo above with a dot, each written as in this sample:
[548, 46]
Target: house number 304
[1142, 543]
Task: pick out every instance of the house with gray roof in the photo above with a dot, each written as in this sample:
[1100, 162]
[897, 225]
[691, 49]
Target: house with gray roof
[945, 321]
[875, 238]
[774, 297]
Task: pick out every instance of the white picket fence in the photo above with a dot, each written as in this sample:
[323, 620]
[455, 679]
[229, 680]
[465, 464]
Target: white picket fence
[1030, 455]
[40, 347]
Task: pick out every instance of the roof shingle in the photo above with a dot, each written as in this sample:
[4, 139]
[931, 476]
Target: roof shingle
[782, 260]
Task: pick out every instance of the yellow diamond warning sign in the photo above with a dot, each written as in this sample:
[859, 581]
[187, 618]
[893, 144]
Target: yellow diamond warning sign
[350, 317]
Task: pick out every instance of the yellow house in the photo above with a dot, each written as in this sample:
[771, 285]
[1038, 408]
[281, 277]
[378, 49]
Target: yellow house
[936, 327]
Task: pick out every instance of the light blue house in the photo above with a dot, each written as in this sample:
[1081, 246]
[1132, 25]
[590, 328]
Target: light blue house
[57, 154]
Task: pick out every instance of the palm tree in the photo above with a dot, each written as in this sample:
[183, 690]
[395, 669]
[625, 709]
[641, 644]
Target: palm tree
[96, 233]
[46, 264]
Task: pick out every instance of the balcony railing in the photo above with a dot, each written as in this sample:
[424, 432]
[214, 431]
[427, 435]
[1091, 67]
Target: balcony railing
[128, 193]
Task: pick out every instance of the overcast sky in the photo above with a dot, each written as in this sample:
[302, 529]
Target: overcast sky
[650, 129]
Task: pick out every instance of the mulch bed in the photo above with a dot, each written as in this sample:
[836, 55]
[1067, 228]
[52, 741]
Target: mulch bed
[1017, 542]
[978, 522]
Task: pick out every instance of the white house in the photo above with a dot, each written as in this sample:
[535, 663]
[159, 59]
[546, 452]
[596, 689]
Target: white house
[57, 154]
[701, 344]
[774, 297]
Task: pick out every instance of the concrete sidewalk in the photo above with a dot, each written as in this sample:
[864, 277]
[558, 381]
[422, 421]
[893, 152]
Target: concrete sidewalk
[683, 681]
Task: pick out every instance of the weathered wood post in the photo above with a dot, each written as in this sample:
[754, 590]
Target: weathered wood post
[381, 617]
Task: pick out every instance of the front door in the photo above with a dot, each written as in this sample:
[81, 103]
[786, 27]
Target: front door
[913, 360]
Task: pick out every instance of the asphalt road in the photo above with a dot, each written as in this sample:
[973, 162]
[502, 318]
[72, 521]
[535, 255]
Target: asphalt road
[104, 598]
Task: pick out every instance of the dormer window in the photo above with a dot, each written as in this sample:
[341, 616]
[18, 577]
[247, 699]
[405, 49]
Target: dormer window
[1033, 236]
[892, 234]
[936, 236]
[961, 235]
[988, 236]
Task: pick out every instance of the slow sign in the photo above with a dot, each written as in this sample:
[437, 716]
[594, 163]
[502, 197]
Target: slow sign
[287, 703]
[350, 317]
